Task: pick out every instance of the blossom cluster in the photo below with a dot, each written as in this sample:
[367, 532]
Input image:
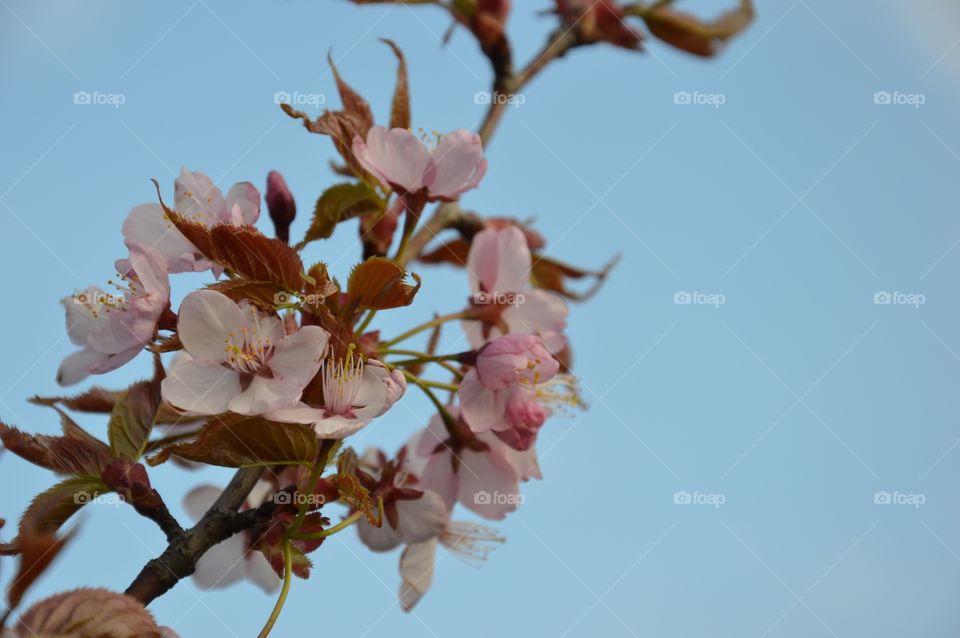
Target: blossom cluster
[273, 365]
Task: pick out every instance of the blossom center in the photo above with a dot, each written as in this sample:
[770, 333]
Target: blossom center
[342, 380]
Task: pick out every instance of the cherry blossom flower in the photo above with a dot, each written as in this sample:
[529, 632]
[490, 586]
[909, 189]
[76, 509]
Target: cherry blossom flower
[198, 199]
[354, 393]
[232, 560]
[112, 329]
[483, 476]
[238, 358]
[469, 541]
[401, 161]
[499, 265]
[411, 515]
[500, 391]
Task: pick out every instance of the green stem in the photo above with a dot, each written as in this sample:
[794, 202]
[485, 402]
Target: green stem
[419, 360]
[366, 323]
[439, 386]
[322, 458]
[445, 416]
[287, 577]
[425, 326]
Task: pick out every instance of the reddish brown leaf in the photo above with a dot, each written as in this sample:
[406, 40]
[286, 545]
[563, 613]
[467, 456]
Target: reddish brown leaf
[550, 274]
[37, 551]
[65, 455]
[89, 613]
[378, 283]
[400, 107]
[235, 441]
[693, 35]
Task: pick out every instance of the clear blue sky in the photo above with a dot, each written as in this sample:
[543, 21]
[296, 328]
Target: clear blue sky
[796, 400]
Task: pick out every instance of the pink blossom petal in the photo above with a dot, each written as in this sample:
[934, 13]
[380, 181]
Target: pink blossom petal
[199, 500]
[206, 322]
[147, 226]
[416, 570]
[260, 573]
[197, 198]
[76, 367]
[296, 358]
[456, 165]
[488, 484]
[223, 564]
[542, 313]
[372, 395]
[396, 157]
[245, 196]
[481, 407]
[264, 395]
[377, 539]
[421, 519]
[200, 386]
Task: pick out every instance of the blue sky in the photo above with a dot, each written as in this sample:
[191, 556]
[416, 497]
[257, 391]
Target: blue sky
[794, 402]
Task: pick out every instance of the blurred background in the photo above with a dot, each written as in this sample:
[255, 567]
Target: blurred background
[776, 458]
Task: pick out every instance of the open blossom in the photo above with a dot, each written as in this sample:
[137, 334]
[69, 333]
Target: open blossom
[112, 329]
[411, 515]
[400, 160]
[198, 199]
[354, 393]
[231, 560]
[238, 358]
[500, 392]
[503, 301]
[484, 478]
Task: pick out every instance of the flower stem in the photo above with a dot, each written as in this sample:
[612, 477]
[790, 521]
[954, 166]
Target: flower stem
[365, 324]
[425, 326]
[287, 577]
[445, 416]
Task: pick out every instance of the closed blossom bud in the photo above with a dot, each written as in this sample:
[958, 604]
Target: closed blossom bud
[280, 203]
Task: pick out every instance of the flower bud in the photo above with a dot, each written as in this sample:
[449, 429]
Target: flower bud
[280, 203]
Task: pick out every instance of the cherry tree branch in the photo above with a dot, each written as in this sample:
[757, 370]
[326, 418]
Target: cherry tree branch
[185, 548]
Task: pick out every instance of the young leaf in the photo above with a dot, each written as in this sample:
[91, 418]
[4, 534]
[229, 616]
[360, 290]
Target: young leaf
[49, 510]
[85, 613]
[693, 35]
[232, 440]
[133, 416]
[338, 203]
[378, 283]
[65, 455]
[400, 107]
[244, 251]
